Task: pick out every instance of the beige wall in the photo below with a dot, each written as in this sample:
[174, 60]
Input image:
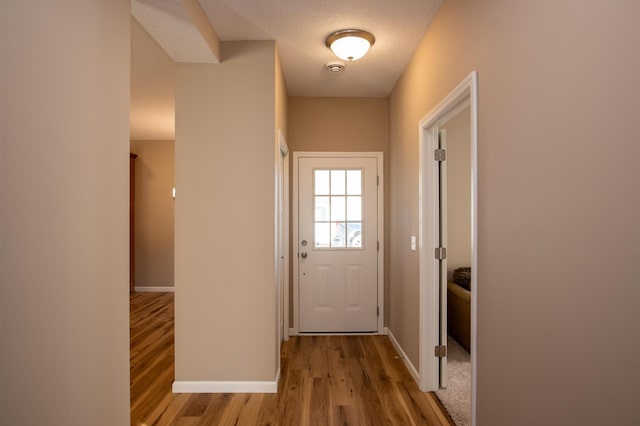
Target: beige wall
[557, 206]
[225, 243]
[154, 212]
[282, 99]
[153, 75]
[64, 161]
[341, 125]
[458, 191]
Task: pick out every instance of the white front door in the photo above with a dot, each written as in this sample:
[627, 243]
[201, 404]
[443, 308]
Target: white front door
[338, 244]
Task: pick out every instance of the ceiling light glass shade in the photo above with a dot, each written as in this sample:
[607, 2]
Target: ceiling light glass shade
[350, 45]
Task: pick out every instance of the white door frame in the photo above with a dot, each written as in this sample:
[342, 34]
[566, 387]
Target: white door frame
[466, 91]
[284, 149]
[282, 243]
[294, 330]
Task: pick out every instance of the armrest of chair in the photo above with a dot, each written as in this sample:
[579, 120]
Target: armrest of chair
[458, 291]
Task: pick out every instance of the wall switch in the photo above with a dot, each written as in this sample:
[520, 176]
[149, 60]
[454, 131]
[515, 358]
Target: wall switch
[413, 243]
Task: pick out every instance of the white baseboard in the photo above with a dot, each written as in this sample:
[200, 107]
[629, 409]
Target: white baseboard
[405, 358]
[225, 387]
[155, 289]
[292, 332]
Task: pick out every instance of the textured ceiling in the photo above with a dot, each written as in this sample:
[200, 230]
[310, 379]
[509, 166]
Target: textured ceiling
[299, 28]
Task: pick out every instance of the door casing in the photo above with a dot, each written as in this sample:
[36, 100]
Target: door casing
[282, 242]
[294, 329]
[429, 328]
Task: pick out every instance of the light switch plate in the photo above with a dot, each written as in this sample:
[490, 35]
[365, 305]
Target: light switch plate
[413, 243]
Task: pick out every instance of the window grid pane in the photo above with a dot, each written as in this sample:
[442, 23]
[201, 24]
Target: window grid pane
[322, 235]
[354, 234]
[338, 217]
[354, 182]
[338, 182]
[338, 209]
[338, 234]
[321, 178]
[354, 209]
[322, 209]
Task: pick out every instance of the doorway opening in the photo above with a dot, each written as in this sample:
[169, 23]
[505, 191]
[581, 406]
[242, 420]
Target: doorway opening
[434, 235]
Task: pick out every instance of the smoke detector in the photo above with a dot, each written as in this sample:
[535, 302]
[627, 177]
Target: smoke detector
[334, 67]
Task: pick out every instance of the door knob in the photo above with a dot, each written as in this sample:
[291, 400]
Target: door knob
[303, 254]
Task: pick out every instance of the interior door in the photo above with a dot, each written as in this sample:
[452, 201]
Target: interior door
[337, 244]
[442, 267]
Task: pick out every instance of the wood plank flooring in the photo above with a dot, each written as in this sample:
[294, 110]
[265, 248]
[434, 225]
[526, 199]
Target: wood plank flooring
[326, 380]
[151, 352]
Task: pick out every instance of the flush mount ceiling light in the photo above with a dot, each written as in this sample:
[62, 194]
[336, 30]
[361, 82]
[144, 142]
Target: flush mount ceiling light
[350, 45]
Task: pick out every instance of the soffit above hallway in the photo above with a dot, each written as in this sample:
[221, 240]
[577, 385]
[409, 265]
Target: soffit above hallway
[300, 28]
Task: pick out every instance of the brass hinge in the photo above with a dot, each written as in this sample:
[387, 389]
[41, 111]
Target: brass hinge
[441, 351]
[441, 253]
[439, 154]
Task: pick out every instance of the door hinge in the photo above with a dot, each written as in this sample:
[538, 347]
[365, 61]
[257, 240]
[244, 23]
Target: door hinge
[439, 154]
[441, 253]
[377, 311]
[378, 247]
[377, 180]
[441, 351]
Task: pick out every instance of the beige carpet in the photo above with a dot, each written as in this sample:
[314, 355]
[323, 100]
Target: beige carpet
[456, 398]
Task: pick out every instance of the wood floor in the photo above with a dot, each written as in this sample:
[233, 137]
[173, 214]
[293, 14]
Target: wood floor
[151, 352]
[326, 380]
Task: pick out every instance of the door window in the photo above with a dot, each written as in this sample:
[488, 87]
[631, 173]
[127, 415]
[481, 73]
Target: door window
[338, 208]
